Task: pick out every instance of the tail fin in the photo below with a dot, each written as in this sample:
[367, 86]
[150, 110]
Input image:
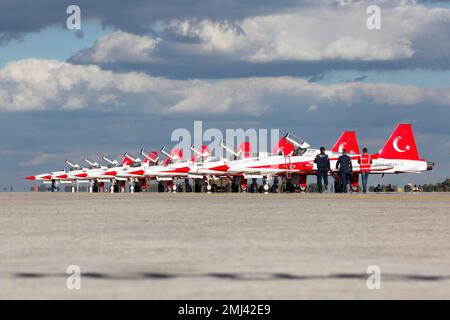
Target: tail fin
[246, 149]
[204, 152]
[400, 145]
[284, 146]
[177, 153]
[153, 155]
[174, 155]
[347, 141]
[126, 161]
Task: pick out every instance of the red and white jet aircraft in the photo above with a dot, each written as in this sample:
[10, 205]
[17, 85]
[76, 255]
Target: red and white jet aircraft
[400, 154]
[173, 166]
[298, 164]
[77, 174]
[292, 158]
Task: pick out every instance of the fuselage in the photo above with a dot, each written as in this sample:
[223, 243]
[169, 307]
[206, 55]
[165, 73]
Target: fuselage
[304, 164]
[390, 166]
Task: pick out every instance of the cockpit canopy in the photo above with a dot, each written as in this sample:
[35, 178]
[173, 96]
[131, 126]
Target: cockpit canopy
[135, 164]
[299, 143]
[213, 159]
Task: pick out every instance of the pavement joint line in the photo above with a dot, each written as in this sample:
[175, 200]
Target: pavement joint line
[244, 276]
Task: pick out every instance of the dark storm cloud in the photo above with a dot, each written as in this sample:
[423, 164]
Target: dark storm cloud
[173, 60]
[317, 78]
[307, 42]
[357, 79]
[220, 67]
[18, 17]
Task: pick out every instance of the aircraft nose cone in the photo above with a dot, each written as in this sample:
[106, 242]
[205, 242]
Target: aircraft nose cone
[30, 178]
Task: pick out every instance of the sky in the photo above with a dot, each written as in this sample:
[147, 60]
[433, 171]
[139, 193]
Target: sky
[138, 70]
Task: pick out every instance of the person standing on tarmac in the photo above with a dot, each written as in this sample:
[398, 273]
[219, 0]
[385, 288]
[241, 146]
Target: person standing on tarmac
[323, 167]
[365, 161]
[344, 165]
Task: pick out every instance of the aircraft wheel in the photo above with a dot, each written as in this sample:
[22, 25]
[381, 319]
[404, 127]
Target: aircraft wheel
[208, 187]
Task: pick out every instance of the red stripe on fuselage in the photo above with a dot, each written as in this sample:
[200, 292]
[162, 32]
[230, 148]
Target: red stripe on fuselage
[137, 172]
[222, 168]
[81, 175]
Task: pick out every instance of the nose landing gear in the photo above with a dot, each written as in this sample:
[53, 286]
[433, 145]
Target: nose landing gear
[266, 186]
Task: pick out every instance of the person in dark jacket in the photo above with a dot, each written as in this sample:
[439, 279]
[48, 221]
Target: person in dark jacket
[323, 167]
[344, 165]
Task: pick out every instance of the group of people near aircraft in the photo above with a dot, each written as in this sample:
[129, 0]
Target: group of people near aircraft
[291, 159]
[344, 167]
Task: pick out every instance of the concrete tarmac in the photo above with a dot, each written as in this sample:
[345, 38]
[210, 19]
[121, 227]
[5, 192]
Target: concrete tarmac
[224, 246]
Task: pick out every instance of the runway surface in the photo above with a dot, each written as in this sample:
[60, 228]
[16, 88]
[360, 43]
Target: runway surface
[224, 246]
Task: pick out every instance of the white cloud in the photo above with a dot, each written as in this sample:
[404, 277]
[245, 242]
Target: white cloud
[53, 85]
[36, 84]
[312, 108]
[304, 34]
[120, 46]
[311, 35]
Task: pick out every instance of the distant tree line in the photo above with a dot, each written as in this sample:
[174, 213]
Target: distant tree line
[438, 187]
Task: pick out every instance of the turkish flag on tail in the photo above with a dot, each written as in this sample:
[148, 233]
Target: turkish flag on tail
[347, 141]
[400, 145]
